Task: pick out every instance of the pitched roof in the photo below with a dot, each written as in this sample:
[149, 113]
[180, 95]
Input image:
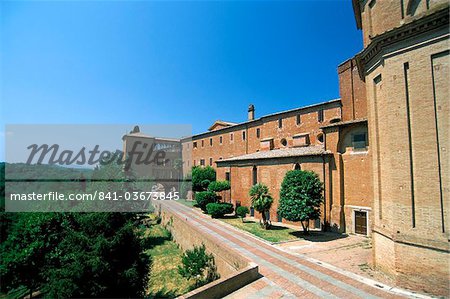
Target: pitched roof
[312, 150]
[221, 123]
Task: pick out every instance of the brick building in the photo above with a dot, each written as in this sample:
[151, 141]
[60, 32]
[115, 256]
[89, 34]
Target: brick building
[405, 66]
[381, 150]
[329, 138]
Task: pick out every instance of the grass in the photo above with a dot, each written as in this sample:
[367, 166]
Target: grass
[165, 281]
[274, 234]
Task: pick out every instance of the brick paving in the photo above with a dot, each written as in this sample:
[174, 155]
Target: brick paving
[284, 275]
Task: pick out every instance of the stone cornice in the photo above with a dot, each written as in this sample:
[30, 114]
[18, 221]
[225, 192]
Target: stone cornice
[439, 19]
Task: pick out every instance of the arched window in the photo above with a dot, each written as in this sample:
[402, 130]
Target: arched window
[283, 142]
[297, 166]
[255, 175]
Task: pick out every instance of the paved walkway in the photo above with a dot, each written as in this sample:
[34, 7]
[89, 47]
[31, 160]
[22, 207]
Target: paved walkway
[284, 275]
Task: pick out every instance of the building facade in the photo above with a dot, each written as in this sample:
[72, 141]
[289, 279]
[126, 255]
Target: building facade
[329, 138]
[405, 66]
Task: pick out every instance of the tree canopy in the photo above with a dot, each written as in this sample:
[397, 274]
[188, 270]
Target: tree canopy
[300, 197]
[202, 177]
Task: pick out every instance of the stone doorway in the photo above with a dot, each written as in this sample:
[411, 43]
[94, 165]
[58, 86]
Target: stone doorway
[361, 222]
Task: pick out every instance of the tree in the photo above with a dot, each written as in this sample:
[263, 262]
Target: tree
[261, 201]
[301, 197]
[242, 212]
[199, 265]
[205, 197]
[66, 255]
[201, 177]
[219, 186]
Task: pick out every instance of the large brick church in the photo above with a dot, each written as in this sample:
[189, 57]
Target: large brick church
[381, 149]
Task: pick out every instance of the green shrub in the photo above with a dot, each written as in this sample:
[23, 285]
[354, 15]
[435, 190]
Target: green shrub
[217, 210]
[300, 197]
[198, 265]
[242, 212]
[201, 177]
[205, 197]
[218, 186]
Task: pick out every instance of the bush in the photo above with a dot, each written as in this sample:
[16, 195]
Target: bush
[242, 212]
[198, 265]
[205, 197]
[217, 210]
[218, 186]
[300, 197]
[201, 177]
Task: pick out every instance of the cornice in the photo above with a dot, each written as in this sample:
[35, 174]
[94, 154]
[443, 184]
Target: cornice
[437, 20]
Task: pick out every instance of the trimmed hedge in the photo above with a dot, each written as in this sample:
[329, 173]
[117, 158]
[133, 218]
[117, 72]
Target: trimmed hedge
[205, 197]
[218, 186]
[201, 177]
[242, 212]
[217, 210]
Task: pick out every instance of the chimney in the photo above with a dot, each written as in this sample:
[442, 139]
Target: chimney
[251, 112]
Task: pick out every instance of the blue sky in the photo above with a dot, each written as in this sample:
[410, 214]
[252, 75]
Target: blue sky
[177, 62]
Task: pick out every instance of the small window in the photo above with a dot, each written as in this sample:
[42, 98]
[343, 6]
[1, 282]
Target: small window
[227, 176]
[210, 141]
[255, 175]
[283, 142]
[320, 115]
[258, 133]
[320, 138]
[231, 136]
[280, 123]
[359, 141]
[203, 143]
[220, 139]
[202, 162]
[210, 161]
[299, 120]
[243, 135]
[195, 163]
[195, 144]
[297, 166]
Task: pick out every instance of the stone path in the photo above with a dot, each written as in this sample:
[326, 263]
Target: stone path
[284, 275]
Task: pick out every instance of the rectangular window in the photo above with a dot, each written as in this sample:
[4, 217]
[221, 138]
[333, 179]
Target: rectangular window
[210, 161]
[231, 136]
[299, 121]
[220, 139]
[195, 163]
[202, 162]
[258, 133]
[359, 141]
[280, 123]
[243, 135]
[227, 176]
[320, 115]
[210, 141]
[195, 144]
[203, 143]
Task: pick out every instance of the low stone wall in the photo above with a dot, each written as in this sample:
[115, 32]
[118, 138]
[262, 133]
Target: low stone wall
[186, 235]
[224, 286]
